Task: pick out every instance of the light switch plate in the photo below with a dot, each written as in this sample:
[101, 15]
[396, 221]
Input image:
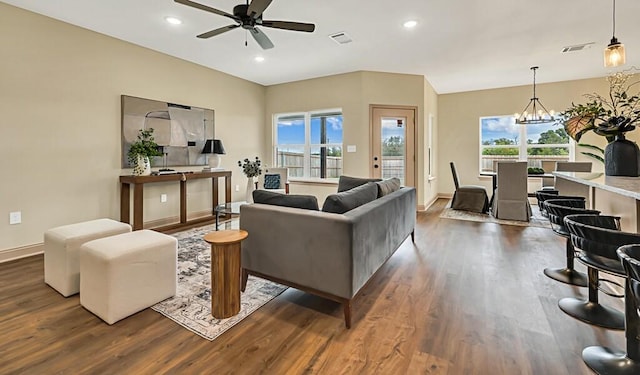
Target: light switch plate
[351, 148]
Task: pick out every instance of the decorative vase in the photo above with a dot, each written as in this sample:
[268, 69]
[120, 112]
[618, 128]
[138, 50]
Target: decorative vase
[142, 167]
[621, 158]
[250, 188]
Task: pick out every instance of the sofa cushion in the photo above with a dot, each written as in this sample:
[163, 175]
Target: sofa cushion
[347, 183]
[348, 200]
[388, 186]
[308, 202]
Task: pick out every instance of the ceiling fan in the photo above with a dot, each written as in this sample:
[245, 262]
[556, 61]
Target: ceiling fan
[249, 16]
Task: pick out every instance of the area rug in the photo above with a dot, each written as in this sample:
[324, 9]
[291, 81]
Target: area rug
[191, 306]
[537, 220]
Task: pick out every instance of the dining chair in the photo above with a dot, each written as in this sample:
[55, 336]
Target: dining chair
[275, 180]
[468, 197]
[566, 166]
[511, 199]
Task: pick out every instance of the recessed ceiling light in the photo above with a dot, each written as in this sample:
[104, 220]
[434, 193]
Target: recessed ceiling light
[259, 59]
[173, 20]
[410, 24]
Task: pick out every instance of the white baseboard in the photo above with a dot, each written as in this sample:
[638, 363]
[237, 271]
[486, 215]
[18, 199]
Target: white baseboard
[35, 249]
[21, 252]
[174, 219]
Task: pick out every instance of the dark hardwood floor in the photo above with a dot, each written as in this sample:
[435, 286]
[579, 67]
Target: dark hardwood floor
[467, 298]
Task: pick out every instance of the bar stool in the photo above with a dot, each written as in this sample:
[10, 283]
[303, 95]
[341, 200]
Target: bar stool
[543, 195]
[598, 238]
[558, 209]
[603, 360]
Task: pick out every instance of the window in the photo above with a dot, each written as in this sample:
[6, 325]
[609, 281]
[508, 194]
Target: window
[502, 139]
[309, 144]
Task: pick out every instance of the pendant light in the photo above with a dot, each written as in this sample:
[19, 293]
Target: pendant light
[614, 53]
[538, 114]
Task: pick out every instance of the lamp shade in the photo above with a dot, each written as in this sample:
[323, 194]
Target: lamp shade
[213, 146]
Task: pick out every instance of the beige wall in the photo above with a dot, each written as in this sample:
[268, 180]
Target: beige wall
[458, 117]
[353, 92]
[60, 120]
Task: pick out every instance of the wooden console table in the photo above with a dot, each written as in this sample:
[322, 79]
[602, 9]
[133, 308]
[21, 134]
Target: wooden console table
[138, 183]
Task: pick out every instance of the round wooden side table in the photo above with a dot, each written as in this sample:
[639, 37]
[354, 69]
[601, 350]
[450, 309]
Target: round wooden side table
[225, 271]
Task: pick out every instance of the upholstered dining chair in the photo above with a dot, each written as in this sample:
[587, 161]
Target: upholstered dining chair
[604, 360]
[275, 180]
[566, 166]
[511, 199]
[468, 197]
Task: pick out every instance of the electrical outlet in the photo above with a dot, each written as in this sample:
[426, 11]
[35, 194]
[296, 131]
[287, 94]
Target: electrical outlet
[163, 198]
[237, 187]
[15, 217]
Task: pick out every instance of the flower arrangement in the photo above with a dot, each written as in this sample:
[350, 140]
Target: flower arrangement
[144, 146]
[610, 116]
[251, 168]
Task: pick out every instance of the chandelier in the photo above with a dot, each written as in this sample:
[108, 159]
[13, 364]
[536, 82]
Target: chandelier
[614, 53]
[534, 112]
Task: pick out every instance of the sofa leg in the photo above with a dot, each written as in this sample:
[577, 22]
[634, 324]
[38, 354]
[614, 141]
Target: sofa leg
[243, 282]
[347, 313]
[413, 236]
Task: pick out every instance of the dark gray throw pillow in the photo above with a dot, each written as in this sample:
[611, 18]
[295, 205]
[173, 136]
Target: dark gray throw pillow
[347, 183]
[350, 199]
[388, 186]
[308, 202]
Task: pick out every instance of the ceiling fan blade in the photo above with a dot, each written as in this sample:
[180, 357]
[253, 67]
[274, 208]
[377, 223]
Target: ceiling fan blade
[207, 9]
[215, 32]
[261, 38]
[294, 26]
[257, 7]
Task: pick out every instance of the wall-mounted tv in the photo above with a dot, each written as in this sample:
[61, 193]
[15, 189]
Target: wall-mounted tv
[180, 130]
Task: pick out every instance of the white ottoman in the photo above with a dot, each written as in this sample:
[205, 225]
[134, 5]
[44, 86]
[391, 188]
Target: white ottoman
[123, 274]
[61, 246]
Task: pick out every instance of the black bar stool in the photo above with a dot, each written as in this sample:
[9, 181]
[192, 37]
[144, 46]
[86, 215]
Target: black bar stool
[558, 209]
[603, 360]
[598, 238]
[543, 195]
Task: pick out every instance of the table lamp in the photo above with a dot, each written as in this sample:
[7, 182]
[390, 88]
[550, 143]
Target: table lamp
[215, 147]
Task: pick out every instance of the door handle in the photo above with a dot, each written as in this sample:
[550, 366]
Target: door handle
[375, 165]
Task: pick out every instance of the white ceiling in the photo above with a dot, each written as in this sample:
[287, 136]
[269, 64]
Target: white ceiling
[458, 45]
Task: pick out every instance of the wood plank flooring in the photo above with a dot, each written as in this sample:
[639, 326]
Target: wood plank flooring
[467, 298]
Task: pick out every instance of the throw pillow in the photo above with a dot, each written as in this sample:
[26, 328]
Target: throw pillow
[308, 202]
[347, 183]
[388, 186]
[272, 181]
[350, 199]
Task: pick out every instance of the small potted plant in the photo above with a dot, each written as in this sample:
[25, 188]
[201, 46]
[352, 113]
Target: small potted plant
[610, 117]
[251, 169]
[141, 151]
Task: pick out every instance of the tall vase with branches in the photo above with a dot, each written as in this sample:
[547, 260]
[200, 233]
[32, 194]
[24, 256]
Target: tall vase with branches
[610, 116]
[251, 169]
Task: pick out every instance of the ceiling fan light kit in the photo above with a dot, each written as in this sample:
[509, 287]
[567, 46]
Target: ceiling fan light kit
[249, 16]
[538, 114]
[614, 54]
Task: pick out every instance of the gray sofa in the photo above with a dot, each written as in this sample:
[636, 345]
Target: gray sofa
[327, 254]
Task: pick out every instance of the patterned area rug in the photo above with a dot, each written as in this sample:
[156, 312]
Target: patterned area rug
[537, 220]
[191, 306]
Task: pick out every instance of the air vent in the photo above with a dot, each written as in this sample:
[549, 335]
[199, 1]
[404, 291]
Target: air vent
[577, 47]
[341, 38]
